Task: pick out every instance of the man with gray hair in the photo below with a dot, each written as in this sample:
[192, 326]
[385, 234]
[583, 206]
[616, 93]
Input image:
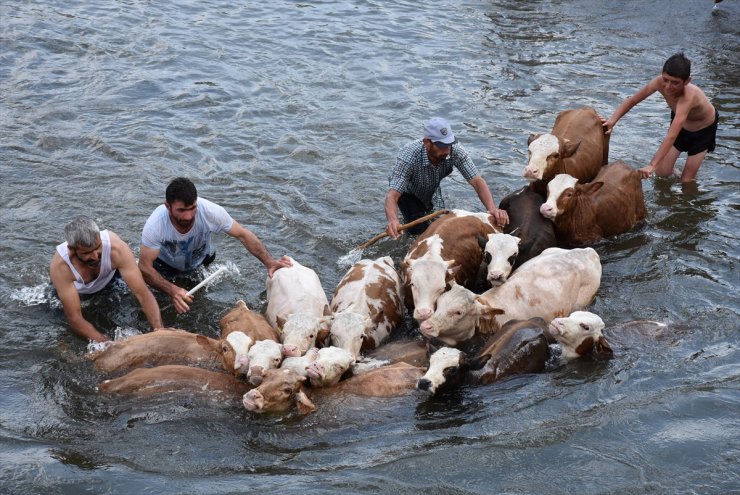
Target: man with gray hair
[86, 263]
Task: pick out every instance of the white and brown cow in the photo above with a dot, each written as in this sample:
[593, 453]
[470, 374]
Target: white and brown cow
[584, 213]
[500, 252]
[553, 284]
[580, 334]
[367, 305]
[327, 369]
[280, 390]
[576, 145]
[297, 305]
[242, 319]
[447, 251]
[173, 346]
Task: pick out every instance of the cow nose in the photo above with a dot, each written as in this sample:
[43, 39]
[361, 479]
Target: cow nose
[424, 384]
[421, 314]
[546, 210]
[290, 350]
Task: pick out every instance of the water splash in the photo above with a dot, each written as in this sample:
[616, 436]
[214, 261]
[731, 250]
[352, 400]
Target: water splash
[350, 258]
[34, 296]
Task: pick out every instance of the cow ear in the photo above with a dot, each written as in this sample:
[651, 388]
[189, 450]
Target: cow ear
[592, 187]
[477, 362]
[569, 148]
[202, 341]
[451, 270]
[303, 403]
[532, 137]
[433, 345]
[482, 241]
[602, 349]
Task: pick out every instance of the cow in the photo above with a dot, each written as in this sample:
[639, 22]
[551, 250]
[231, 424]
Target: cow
[553, 284]
[447, 250]
[576, 145]
[500, 252]
[580, 334]
[280, 390]
[167, 379]
[536, 233]
[262, 356]
[367, 305]
[327, 369]
[520, 347]
[394, 380]
[241, 318]
[584, 213]
[173, 346]
[298, 307]
[300, 364]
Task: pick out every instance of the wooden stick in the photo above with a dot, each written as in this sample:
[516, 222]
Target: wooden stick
[401, 228]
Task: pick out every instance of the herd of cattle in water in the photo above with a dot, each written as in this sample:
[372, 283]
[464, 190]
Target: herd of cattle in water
[488, 303]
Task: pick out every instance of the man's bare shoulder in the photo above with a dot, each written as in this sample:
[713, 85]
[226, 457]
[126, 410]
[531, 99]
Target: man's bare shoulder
[120, 252]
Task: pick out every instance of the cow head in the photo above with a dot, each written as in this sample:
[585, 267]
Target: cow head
[348, 331]
[301, 331]
[263, 355]
[563, 194]
[279, 391]
[546, 154]
[233, 350]
[580, 334]
[459, 313]
[499, 253]
[329, 367]
[446, 368]
[428, 279]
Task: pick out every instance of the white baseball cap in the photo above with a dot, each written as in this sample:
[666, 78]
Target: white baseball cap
[438, 130]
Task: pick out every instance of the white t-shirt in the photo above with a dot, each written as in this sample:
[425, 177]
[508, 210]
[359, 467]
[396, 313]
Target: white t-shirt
[185, 252]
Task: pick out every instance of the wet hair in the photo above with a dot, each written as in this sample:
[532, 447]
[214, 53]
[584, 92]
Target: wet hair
[678, 66]
[181, 189]
[82, 231]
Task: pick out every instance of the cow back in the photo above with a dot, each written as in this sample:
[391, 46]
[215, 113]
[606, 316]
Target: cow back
[536, 232]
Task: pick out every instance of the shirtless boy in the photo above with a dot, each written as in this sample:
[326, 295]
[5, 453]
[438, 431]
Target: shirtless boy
[693, 120]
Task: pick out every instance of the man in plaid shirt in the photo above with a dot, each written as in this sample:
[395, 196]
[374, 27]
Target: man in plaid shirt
[420, 167]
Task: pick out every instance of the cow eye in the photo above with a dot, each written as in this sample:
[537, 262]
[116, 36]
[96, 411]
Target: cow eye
[512, 259]
[585, 327]
[225, 348]
[487, 257]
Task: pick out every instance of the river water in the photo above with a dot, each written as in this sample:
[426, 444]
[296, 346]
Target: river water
[290, 115]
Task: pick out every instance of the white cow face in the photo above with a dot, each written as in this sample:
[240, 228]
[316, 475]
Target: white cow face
[329, 367]
[300, 364]
[456, 317]
[263, 355]
[580, 334]
[240, 344]
[443, 364]
[428, 280]
[540, 148]
[559, 191]
[500, 254]
[300, 331]
[348, 331]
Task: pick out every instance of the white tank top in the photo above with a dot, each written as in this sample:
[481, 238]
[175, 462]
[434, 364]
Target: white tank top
[106, 270]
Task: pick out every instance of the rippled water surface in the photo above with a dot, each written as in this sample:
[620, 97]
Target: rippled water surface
[290, 116]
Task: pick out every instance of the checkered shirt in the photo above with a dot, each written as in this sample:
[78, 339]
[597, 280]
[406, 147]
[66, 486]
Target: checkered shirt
[415, 174]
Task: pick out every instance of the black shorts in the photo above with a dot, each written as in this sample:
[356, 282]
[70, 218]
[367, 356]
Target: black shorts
[412, 208]
[168, 271]
[697, 141]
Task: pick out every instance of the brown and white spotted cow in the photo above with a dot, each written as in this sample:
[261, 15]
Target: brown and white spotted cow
[297, 305]
[580, 334]
[584, 213]
[367, 306]
[576, 145]
[447, 250]
[553, 284]
[280, 390]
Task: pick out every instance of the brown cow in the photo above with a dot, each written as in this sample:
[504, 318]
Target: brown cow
[536, 233]
[447, 250]
[281, 388]
[172, 346]
[585, 213]
[147, 382]
[241, 318]
[576, 145]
